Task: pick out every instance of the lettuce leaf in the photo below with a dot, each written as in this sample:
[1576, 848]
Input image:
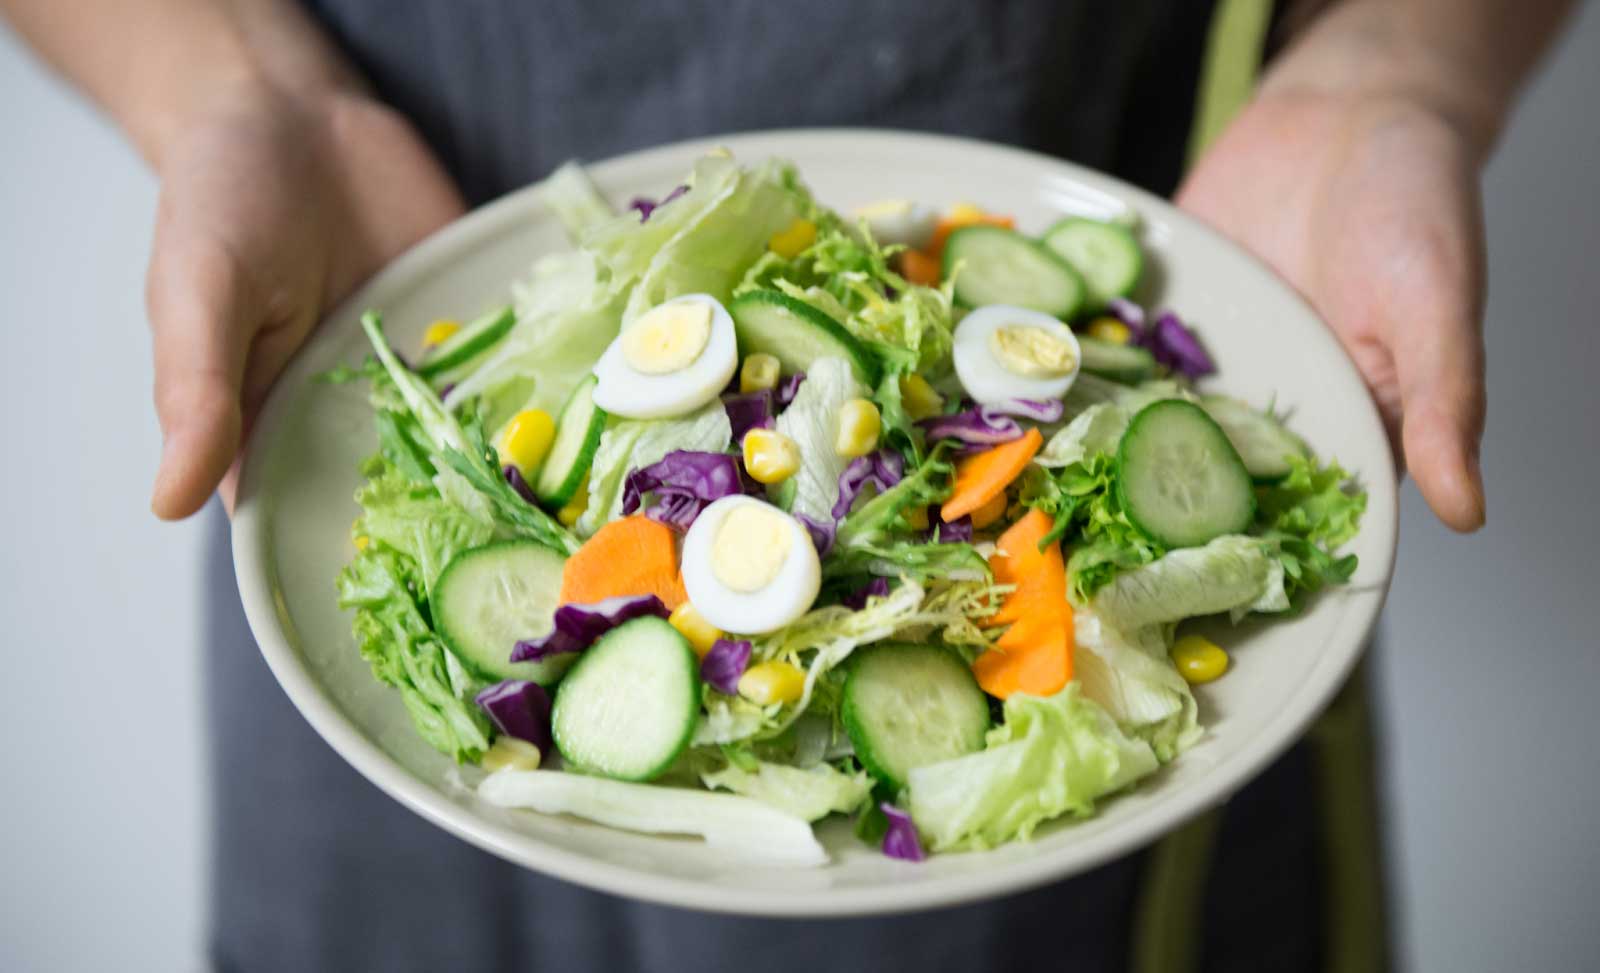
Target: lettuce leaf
[632, 444]
[405, 653]
[812, 421]
[809, 793]
[417, 521]
[1093, 432]
[573, 197]
[1307, 517]
[1133, 679]
[1052, 756]
[1233, 573]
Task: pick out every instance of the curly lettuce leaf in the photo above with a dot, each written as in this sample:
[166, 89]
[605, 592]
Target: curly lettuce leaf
[632, 444]
[1052, 756]
[1307, 517]
[416, 520]
[812, 421]
[809, 793]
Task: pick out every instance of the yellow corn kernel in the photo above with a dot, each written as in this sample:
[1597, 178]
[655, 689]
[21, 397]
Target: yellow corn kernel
[568, 515]
[859, 425]
[990, 512]
[1107, 328]
[772, 682]
[964, 213]
[694, 627]
[439, 332]
[758, 373]
[770, 456]
[526, 440]
[362, 542]
[788, 242]
[1199, 659]
[510, 753]
[917, 518]
[918, 398]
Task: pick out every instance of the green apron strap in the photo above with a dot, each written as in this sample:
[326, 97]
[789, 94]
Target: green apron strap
[1228, 72]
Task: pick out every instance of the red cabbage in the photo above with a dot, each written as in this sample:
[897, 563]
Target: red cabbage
[519, 709]
[857, 600]
[1129, 314]
[747, 412]
[514, 477]
[882, 469]
[958, 530]
[1177, 347]
[901, 840]
[578, 626]
[991, 424]
[645, 205]
[789, 387]
[724, 664]
[683, 483]
[821, 533]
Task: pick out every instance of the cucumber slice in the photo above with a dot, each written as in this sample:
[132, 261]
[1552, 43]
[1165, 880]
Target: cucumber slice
[578, 430]
[1105, 254]
[796, 334]
[1120, 363]
[490, 597]
[906, 706]
[1263, 443]
[1179, 479]
[471, 341]
[1000, 266]
[628, 708]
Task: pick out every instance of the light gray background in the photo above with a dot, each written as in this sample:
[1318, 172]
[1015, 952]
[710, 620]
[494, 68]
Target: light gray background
[1491, 669]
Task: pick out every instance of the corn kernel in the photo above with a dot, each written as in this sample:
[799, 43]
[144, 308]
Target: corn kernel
[362, 542]
[758, 373]
[770, 456]
[526, 440]
[510, 753]
[788, 243]
[1199, 659]
[702, 635]
[1107, 328]
[568, 515]
[439, 332]
[772, 682]
[918, 398]
[964, 213]
[990, 512]
[859, 425]
[917, 518]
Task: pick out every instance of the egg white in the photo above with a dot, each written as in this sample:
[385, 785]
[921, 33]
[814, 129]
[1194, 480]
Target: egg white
[989, 381]
[789, 595]
[899, 222]
[622, 390]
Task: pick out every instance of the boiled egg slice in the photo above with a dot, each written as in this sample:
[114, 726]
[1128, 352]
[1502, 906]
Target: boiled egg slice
[1003, 352]
[899, 221]
[748, 567]
[675, 358]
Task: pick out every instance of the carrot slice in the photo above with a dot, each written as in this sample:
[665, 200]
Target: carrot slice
[1034, 655]
[982, 477]
[921, 267]
[632, 556]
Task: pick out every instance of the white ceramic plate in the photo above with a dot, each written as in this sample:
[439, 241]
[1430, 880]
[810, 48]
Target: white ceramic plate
[291, 530]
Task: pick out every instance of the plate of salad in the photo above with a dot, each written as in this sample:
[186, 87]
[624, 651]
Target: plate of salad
[817, 523]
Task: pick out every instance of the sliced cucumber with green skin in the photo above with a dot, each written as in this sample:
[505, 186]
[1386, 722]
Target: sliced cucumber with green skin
[628, 708]
[578, 430]
[1179, 479]
[1000, 266]
[1120, 363]
[907, 706]
[471, 341]
[1106, 255]
[796, 334]
[490, 597]
[1263, 443]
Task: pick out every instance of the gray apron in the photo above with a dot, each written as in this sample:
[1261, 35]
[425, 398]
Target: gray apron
[314, 869]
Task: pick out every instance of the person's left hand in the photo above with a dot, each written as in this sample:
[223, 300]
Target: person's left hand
[1370, 208]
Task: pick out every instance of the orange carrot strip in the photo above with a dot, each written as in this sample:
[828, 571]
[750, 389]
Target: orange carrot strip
[982, 477]
[921, 267]
[1034, 655]
[632, 556]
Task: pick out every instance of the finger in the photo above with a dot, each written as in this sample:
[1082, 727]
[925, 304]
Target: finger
[1440, 369]
[196, 305]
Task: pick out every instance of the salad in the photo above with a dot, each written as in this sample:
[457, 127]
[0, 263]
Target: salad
[746, 513]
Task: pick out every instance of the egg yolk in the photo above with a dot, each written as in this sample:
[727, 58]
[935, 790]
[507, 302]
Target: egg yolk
[668, 338]
[751, 545]
[1031, 351]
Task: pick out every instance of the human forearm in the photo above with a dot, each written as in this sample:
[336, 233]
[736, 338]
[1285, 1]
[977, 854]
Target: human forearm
[1464, 60]
[152, 64]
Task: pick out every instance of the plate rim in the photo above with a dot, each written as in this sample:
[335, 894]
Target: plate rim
[255, 568]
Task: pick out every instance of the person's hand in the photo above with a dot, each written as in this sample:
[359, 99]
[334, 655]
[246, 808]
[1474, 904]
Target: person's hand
[1370, 207]
[272, 209]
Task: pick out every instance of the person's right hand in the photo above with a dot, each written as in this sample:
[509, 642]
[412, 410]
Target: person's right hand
[273, 207]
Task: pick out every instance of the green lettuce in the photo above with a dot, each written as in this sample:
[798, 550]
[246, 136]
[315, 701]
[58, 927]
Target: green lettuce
[809, 793]
[1132, 677]
[1233, 573]
[1307, 517]
[404, 652]
[1052, 756]
[572, 196]
[414, 519]
[634, 443]
[1082, 499]
[812, 421]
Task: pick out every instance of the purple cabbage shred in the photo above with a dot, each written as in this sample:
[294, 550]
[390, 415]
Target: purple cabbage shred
[683, 483]
[821, 533]
[576, 627]
[992, 423]
[514, 477]
[901, 840]
[747, 412]
[882, 469]
[955, 531]
[857, 600]
[789, 387]
[645, 205]
[724, 664]
[519, 709]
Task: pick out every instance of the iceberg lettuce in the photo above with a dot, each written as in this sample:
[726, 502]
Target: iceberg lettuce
[809, 793]
[1133, 679]
[1233, 573]
[636, 443]
[812, 421]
